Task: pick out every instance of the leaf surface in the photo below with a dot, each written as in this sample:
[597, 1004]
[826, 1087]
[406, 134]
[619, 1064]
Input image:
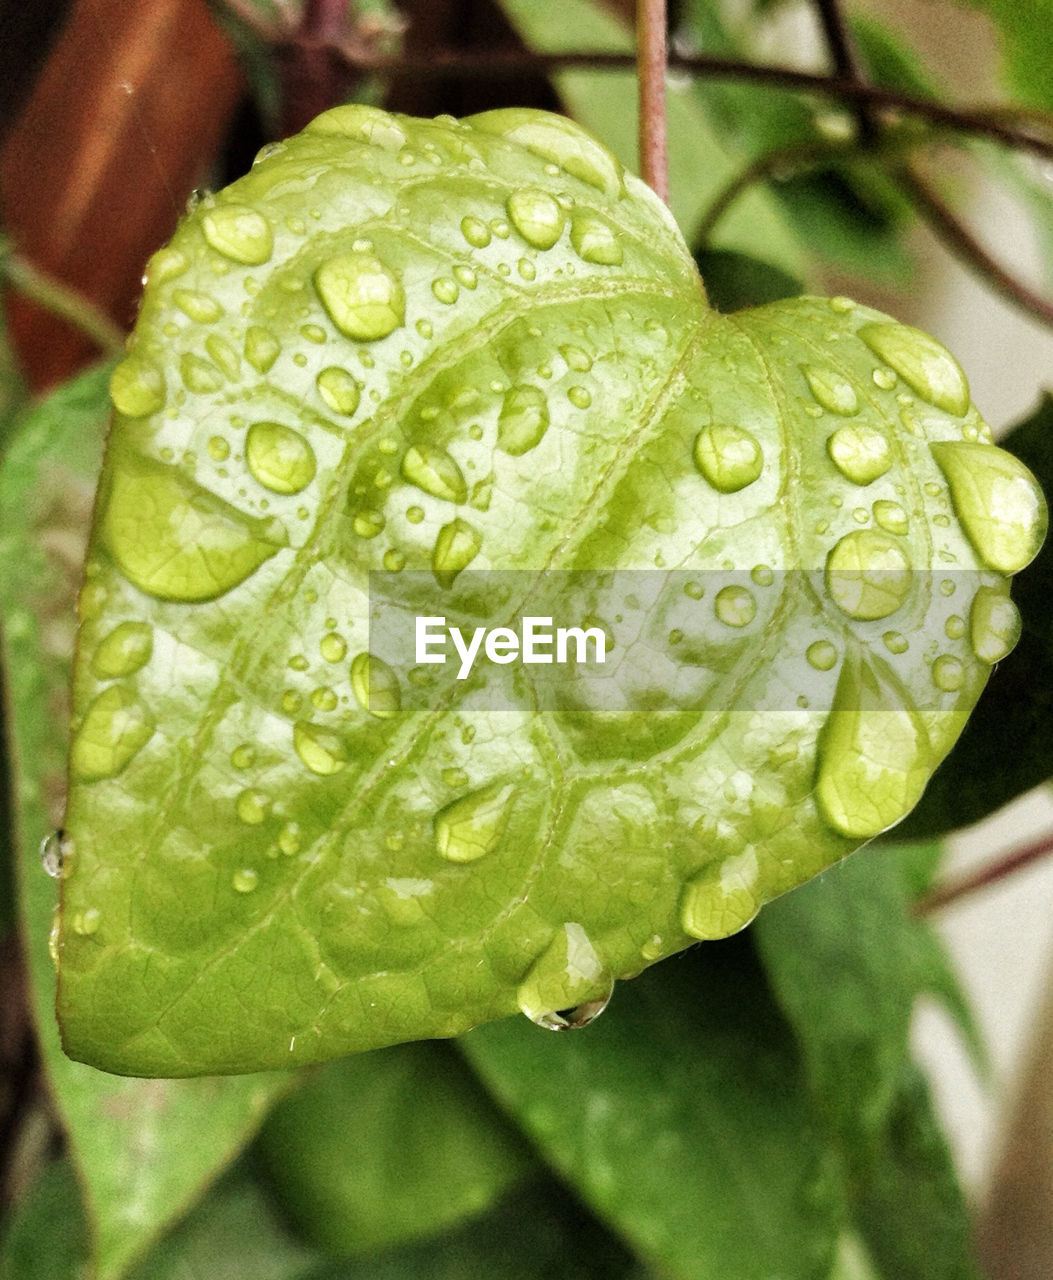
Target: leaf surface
[143, 1148]
[474, 360]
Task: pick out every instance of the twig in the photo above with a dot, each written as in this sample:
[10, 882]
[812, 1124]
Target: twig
[846, 63]
[53, 296]
[991, 874]
[651, 55]
[964, 245]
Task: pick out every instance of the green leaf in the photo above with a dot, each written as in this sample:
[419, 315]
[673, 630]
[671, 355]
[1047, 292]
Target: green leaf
[389, 1147]
[683, 1119]
[143, 1149]
[1007, 748]
[847, 960]
[906, 1198]
[605, 102]
[474, 359]
[1022, 30]
[46, 1237]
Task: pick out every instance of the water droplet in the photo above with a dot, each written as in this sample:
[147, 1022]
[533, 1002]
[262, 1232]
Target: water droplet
[948, 673]
[694, 590]
[594, 241]
[891, 516]
[394, 560]
[321, 750]
[363, 298]
[822, 655]
[339, 390]
[218, 449]
[252, 807]
[87, 922]
[527, 270]
[414, 514]
[841, 305]
[895, 643]
[375, 686]
[523, 420]
[124, 651]
[324, 699]
[762, 575]
[723, 900]
[262, 348]
[579, 397]
[333, 647]
[997, 500]
[445, 290]
[279, 457]
[314, 333]
[361, 123]
[728, 456]
[243, 756]
[536, 216]
[954, 627]
[475, 231]
[291, 702]
[176, 541]
[860, 453]
[874, 759]
[245, 880]
[57, 854]
[558, 140]
[994, 625]
[290, 839]
[434, 471]
[199, 307]
[466, 276]
[473, 826]
[239, 233]
[224, 355]
[198, 374]
[924, 364]
[456, 546]
[367, 524]
[867, 575]
[831, 390]
[114, 730]
[735, 606]
[137, 388]
[568, 985]
[165, 264]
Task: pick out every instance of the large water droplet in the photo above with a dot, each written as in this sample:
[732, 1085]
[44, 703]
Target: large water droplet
[822, 655]
[375, 686]
[239, 233]
[723, 900]
[523, 420]
[536, 216]
[456, 546]
[891, 516]
[137, 388]
[176, 541]
[594, 241]
[124, 651]
[568, 985]
[472, 826]
[728, 456]
[948, 673]
[339, 390]
[558, 140]
[735, 606]
[57, 854]
[997, 500]
[874, 758]
[868, 575]
[860, 453]
[262, 348]
[115, 728]
[363, 298]
[279, 457]
[361, 123]
[924, 364]
[475, 231]
[199, 307]
[321, 750]
[433, 470]
[994, 625]
[832, 390]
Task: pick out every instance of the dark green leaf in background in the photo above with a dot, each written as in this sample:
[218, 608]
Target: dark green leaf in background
[144, 1149]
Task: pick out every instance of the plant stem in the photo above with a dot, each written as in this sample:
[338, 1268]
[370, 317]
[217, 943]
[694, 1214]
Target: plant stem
[945, 894]
[964, 245]
[652, 55]
[846, 64]
[53, 296]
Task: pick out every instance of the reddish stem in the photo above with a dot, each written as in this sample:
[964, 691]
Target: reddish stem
[945, 894]
[652, 57]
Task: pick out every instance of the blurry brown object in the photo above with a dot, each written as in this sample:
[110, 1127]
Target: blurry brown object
[126, 117]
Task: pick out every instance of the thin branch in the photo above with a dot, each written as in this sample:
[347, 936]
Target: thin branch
[651, 56]
[61, 301]
[846, 64]
[991, 874]
[965, 246]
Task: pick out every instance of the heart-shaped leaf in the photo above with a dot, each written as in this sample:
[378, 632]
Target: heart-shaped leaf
[425, 349]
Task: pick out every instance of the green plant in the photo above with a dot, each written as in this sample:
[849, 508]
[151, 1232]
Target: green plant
[524, 329]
